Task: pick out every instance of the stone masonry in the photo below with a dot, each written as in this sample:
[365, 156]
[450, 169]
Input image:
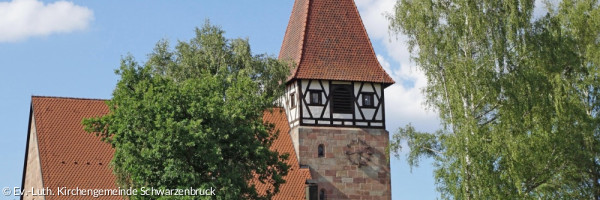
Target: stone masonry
[354, 165]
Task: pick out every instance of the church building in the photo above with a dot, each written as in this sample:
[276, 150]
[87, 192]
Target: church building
[331, 118]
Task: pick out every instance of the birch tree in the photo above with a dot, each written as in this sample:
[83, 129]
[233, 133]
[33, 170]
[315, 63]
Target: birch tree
[517, 96]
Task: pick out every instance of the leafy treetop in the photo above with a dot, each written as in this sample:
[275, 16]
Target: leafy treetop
[192, 117]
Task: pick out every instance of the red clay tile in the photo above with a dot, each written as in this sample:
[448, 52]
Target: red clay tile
[71, 157]
[294, 188]
[327, 40]
[66, 149]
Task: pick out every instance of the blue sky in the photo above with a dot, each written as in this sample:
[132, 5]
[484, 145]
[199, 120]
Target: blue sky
[73, 53]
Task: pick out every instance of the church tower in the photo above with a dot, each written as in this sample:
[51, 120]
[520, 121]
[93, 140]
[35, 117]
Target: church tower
[334, 100]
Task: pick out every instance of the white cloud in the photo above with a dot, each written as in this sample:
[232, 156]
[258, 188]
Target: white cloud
[21, 19]
[405, 103]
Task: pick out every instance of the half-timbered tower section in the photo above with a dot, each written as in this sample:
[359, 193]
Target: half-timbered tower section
[335, 103]
[334, 100]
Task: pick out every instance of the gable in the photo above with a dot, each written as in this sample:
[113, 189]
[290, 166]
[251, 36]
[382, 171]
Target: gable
[69, 156]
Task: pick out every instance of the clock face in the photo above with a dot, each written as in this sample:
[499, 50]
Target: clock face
[359, 152]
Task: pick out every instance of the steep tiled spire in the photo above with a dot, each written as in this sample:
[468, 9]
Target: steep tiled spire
[327, 40]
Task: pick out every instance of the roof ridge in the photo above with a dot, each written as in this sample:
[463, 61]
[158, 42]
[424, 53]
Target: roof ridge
[288, 31]
[303, 37]
[72, 98]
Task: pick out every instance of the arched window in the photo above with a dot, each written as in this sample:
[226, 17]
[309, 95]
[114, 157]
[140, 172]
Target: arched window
[321, 150]
[322, 195]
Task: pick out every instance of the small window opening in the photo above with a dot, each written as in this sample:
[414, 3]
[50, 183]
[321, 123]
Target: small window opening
[367, 100]
[315, 97]
[293, 100]
[322, 195]
[321, 150]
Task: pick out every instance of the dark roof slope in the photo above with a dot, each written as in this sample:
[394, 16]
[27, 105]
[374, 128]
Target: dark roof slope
[327, 40]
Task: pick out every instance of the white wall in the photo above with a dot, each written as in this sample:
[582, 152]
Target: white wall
[291, 113]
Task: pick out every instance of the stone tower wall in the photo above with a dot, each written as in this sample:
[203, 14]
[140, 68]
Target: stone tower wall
[354, 165]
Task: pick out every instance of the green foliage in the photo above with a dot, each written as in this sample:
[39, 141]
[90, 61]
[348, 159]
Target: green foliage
[421, 144]
[192, 117]
[518, 96]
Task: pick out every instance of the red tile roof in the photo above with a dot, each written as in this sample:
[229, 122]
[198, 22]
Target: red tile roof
[294, 188]
[327, 40]
[71, 157]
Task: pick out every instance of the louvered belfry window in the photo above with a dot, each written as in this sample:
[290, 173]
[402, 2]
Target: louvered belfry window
[342, 98]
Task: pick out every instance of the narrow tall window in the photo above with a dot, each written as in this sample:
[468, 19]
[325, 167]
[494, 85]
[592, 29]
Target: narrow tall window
[322, 195]
[321, 150]
[293, 100]
[342, 101]
[367, 100]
